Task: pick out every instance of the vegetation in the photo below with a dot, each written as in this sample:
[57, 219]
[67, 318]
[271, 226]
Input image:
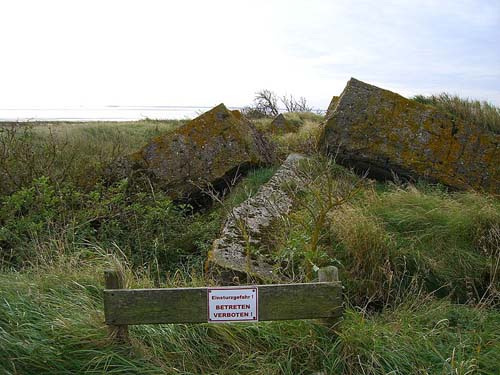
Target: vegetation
[420, 264]
[68, 152]
[52, 323]
[388, 240]
[480, 113]
[302, 141]
[267, 104]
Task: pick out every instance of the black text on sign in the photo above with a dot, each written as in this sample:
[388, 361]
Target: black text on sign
[232, 305]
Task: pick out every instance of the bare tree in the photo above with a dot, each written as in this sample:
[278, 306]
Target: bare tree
[266, 102]
[295, 105]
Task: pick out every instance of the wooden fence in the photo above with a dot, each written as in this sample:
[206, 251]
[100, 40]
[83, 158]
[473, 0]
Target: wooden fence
[124, 307]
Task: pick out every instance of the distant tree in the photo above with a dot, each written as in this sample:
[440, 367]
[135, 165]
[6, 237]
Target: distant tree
[266, 104]
[295, 105]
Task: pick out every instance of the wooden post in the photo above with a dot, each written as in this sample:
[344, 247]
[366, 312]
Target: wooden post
[115, 280]
[326, 275]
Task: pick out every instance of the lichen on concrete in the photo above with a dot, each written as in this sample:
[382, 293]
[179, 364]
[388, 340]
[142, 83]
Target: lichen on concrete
[207, 150]
[282, 125]
[377, 130]
[331, 106]
[233, 258]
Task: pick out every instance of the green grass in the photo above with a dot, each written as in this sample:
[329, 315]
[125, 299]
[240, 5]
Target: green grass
[479, 113]
[420, 266]
[302, 141]
[396, 238]
[51, 322]
[446, 241]
[248, 186]
[131, 134]
[423, 337]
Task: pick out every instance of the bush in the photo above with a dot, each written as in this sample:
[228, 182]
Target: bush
[319, 189]
[41, 222]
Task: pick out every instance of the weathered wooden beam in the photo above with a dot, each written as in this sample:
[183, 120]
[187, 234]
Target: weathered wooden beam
[115, 280]
[189, 305]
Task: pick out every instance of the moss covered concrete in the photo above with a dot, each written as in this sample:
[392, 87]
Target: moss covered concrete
[207, 150]
[282, 125]
[380, 131]
[331, 106]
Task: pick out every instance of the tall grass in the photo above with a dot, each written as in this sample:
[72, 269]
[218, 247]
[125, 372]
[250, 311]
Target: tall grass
[422, 336]
[401, 237]
[69, 152]
[131, 134]
[398, 249]
[51, 322]
[479, 113]
[303, 139]
[448, 243]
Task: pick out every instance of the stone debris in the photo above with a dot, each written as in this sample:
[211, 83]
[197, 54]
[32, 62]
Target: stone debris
[233, 258]
[375, 130]
[208, 150]
[281, 125]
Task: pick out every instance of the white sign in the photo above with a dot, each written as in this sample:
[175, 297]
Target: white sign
[233, 305]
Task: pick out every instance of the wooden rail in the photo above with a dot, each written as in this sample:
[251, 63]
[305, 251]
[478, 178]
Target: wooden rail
[123, 307]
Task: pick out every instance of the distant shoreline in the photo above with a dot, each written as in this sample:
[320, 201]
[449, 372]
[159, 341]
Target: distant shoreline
[98, 114]
[104, 113]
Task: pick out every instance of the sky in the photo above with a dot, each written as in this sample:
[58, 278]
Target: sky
[56, 54]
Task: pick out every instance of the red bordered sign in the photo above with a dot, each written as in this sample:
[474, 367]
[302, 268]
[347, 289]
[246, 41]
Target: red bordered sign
[233, 305]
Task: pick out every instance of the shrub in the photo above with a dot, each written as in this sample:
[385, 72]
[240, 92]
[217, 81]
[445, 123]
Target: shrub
[319, 189]
[41, 221]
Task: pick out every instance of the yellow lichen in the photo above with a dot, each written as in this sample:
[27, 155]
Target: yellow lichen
[417, 138]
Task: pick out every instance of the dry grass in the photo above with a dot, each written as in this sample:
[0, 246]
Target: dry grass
[69, 152]
[480, 113]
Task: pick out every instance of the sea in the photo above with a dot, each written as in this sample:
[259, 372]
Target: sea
[104, 113]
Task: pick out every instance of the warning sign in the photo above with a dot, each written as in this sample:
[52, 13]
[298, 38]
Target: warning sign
[232, 305]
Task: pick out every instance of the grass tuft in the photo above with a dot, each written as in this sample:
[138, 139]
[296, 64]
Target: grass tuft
[479, 113]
